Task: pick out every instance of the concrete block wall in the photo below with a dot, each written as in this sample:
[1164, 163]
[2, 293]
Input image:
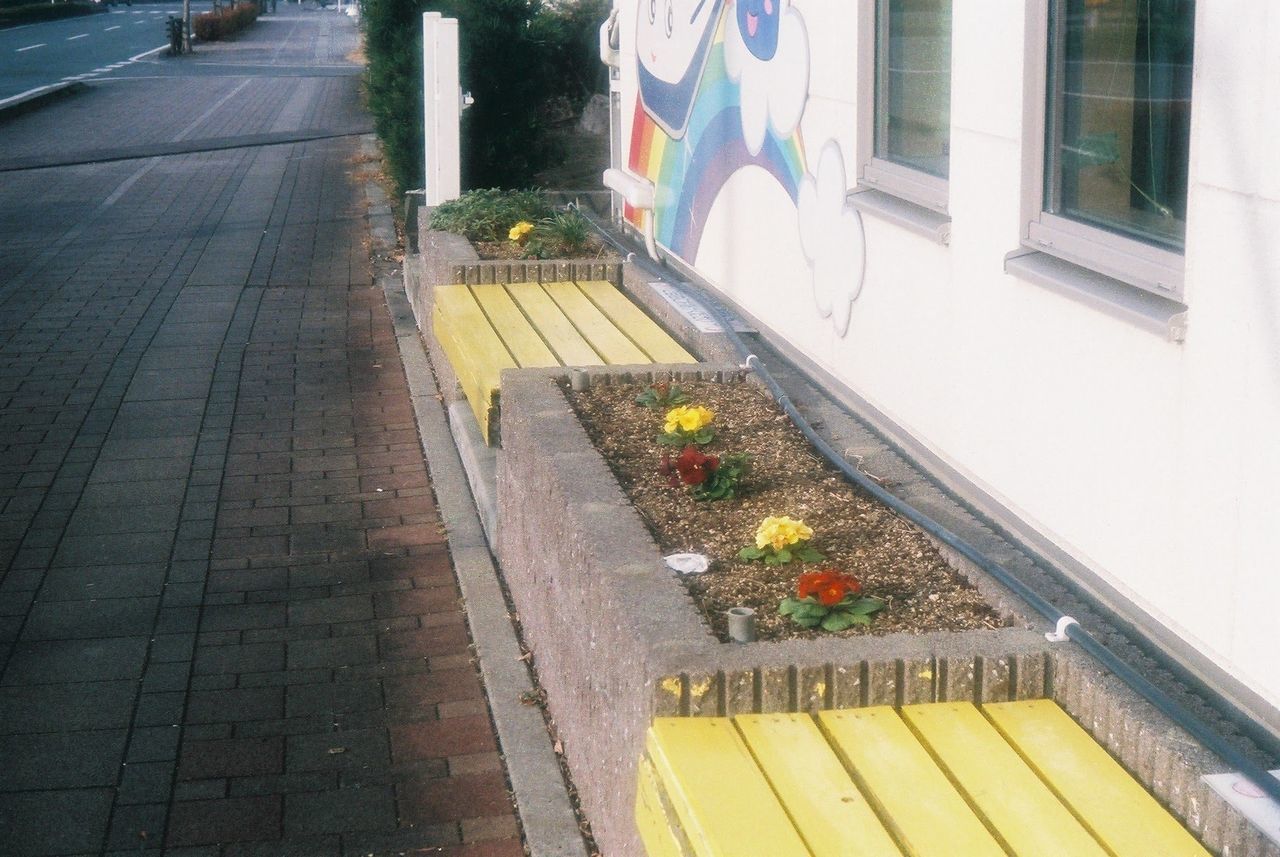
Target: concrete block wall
[617, 640]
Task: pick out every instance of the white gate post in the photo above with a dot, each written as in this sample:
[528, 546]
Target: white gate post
[442, 108]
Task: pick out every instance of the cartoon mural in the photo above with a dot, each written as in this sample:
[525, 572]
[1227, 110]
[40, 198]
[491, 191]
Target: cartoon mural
[722, 86]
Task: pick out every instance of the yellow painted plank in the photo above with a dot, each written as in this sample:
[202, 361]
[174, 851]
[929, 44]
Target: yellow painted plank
[651, 818]
[632, 321]
[1112, 804]
[524, 343]
[725, 806]
[556, 328]
[825, 806]
[1024, 813]
[609, 342]
[475, 352]
[920, 807]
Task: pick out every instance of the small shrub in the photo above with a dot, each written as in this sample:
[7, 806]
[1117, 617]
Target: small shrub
[488, 214]
[224, 22]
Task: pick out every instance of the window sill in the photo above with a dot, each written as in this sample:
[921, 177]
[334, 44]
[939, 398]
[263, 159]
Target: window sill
[1115, 298]
[914, 218]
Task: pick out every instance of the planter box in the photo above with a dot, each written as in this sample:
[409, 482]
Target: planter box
[617, 640]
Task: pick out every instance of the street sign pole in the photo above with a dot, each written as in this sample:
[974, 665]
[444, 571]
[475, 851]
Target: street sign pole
[186, 26]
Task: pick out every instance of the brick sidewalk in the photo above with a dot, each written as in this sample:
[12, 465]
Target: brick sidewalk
[229, 623]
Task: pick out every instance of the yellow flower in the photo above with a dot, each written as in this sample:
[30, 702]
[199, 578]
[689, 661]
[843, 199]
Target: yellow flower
[520, 230]
[779, 532]
[688, 418]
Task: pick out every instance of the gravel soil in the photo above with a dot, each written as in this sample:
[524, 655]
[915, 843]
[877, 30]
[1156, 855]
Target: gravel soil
[893, 560]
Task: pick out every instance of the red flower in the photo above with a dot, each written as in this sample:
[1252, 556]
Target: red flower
[828, 585]
[694, 467]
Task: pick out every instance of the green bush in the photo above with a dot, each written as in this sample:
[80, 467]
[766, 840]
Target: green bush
[514, 56]
[489, 214]
[223, 22]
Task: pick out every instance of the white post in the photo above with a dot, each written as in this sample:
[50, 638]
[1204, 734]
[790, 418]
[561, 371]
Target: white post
[442, 108]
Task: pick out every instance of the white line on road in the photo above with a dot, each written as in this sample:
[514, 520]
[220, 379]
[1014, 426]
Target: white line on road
[81, 36]
[137, 57]
[141, 22]
[30, 47]
[109, 29]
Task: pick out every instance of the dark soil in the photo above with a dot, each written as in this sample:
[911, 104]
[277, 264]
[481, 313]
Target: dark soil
[893, 560]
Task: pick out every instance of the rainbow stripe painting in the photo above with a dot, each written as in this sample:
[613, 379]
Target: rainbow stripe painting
[689, 172]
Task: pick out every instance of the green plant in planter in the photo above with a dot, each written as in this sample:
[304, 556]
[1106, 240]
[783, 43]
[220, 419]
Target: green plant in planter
[711, 477]
[686, 424]
[662, 394]
[779, 540]
[489, 213]
[830, 599]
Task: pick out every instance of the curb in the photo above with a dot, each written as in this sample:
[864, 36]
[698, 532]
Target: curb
[33, 99]
[542, 799]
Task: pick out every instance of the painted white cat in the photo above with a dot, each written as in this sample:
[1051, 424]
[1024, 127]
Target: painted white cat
[673, 41]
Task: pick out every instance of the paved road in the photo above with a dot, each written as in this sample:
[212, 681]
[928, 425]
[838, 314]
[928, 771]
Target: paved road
[228, 620]
[83, 48]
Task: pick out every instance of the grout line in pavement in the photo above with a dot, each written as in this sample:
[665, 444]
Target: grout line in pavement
[542, 800]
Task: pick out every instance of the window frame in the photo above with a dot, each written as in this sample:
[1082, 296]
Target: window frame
[1145, 266]
[914, 186]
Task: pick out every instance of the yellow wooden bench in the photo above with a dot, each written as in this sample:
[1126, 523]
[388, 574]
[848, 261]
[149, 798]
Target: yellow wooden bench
[949, 779]
[484, 329]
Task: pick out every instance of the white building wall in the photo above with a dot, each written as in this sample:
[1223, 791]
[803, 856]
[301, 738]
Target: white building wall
[1155, 463]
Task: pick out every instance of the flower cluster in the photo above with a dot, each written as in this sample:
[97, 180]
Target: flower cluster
[780, 539]
[520, 232]
[686, 424]
[711, 477]
[662, 395]
[831, 599]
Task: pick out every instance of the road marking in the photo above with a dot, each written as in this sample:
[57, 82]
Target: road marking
[109, 29]
[30, 47]
[137, 57]
[141, 22]
[81, 36]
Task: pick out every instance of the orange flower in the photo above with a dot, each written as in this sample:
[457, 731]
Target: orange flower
[828, 585]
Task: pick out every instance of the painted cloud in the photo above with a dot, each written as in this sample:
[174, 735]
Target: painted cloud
[767, 54]
[831, 237]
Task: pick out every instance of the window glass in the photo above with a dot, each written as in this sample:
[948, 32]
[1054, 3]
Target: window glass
[913, 84]
[1120, 116]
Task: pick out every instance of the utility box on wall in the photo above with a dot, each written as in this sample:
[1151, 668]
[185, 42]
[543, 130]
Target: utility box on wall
[442, 104]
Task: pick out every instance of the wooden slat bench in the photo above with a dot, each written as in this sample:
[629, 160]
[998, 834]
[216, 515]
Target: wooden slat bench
[484, 329]
[941, 779]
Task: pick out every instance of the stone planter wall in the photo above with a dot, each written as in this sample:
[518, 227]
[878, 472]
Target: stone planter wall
[617, 640]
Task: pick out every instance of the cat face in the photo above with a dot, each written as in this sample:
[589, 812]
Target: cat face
[673, 38]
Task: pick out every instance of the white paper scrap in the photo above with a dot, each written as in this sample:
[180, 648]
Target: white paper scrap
[687, 563]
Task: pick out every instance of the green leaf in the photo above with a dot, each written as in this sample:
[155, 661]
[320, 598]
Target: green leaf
[806, 621]
[837, 621]
[671, 438]
[788, 606]
[749, 553]
[783, 555]
[772, 559]
[704, 435]
[865, 606]
[811, 608]
[860, 619]
[808, 554]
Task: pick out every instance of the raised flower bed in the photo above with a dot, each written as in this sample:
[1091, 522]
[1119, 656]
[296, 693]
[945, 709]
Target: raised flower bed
[618, 639]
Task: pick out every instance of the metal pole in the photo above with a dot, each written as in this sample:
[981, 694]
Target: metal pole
[186, 26]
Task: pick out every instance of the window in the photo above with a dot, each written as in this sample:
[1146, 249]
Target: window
[911, 111]
[1117, 133]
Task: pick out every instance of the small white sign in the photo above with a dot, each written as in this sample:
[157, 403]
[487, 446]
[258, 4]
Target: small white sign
[1253, 803]
[693, 312]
